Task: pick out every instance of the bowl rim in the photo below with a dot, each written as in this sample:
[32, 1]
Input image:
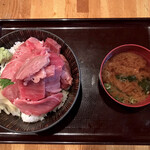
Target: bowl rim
[79, 84]
[101, 81]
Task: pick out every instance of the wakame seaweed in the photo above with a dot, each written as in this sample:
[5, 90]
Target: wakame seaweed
[145, 84]
[108, 87]
[125, 78]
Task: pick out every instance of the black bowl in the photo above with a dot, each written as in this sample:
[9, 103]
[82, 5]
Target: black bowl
[16, 124]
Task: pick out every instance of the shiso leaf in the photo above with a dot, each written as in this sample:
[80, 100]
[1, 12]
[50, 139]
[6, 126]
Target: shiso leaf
[5, 82]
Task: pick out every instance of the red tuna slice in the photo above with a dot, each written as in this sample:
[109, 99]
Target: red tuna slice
[39, 75]
[56, 60]
[53, 82]
[32, 66]
[38, 108]
[36, 77]
[20, 56]
[33, 91]
[23, 52]
[11, 92]
[50, 70]
[52, 45]
[66, 79]
[10, 70]
[36, 46]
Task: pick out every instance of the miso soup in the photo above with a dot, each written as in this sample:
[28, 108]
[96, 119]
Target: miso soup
[126, 76]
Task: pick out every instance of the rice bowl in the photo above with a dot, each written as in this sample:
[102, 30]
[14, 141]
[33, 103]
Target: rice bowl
[71, 95]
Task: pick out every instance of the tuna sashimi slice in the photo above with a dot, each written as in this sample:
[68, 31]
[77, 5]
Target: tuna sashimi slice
[50, 70]
[39, 75]
[34, 43]
[36, 46]
[36, 77]
[52, 45]
[22, 53]
[21, 56]
[53, 83]
[66, 79]
[56, 60]
[10, 70]
[33, 91]
[32, 66]
[40, 107]
[11, 92]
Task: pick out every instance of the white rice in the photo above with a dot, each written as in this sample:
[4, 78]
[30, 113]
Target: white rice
[15, 46]
[32, 118]
[9, 108]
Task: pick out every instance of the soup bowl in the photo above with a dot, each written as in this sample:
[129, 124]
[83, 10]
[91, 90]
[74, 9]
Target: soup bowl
[137, 49]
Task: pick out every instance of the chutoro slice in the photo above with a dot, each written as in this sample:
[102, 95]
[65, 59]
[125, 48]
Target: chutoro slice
[52, 45]
[33, 91]
[32, 66]
[40, 107]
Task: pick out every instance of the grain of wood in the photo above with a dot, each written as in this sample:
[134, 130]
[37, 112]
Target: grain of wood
[94, 12]
[42, 9]
[70, 147]
[15, 9]
[83, 6]
[142, 8]
[59, 9]
[21, 9]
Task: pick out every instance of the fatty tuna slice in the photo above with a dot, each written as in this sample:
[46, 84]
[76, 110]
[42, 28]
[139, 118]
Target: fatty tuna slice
[52, 45]
[53, 83]
[22, 53]
[10, 70]
[11, 92]
[40, 107]
[36, 46]
[32, 66]
[39, 75]
[50, 70]
[33, 91]
[66, 78]
[55, 59]
[20, 56]
[36, 77]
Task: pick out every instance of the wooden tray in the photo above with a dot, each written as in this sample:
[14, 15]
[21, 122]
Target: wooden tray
[95, 118]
